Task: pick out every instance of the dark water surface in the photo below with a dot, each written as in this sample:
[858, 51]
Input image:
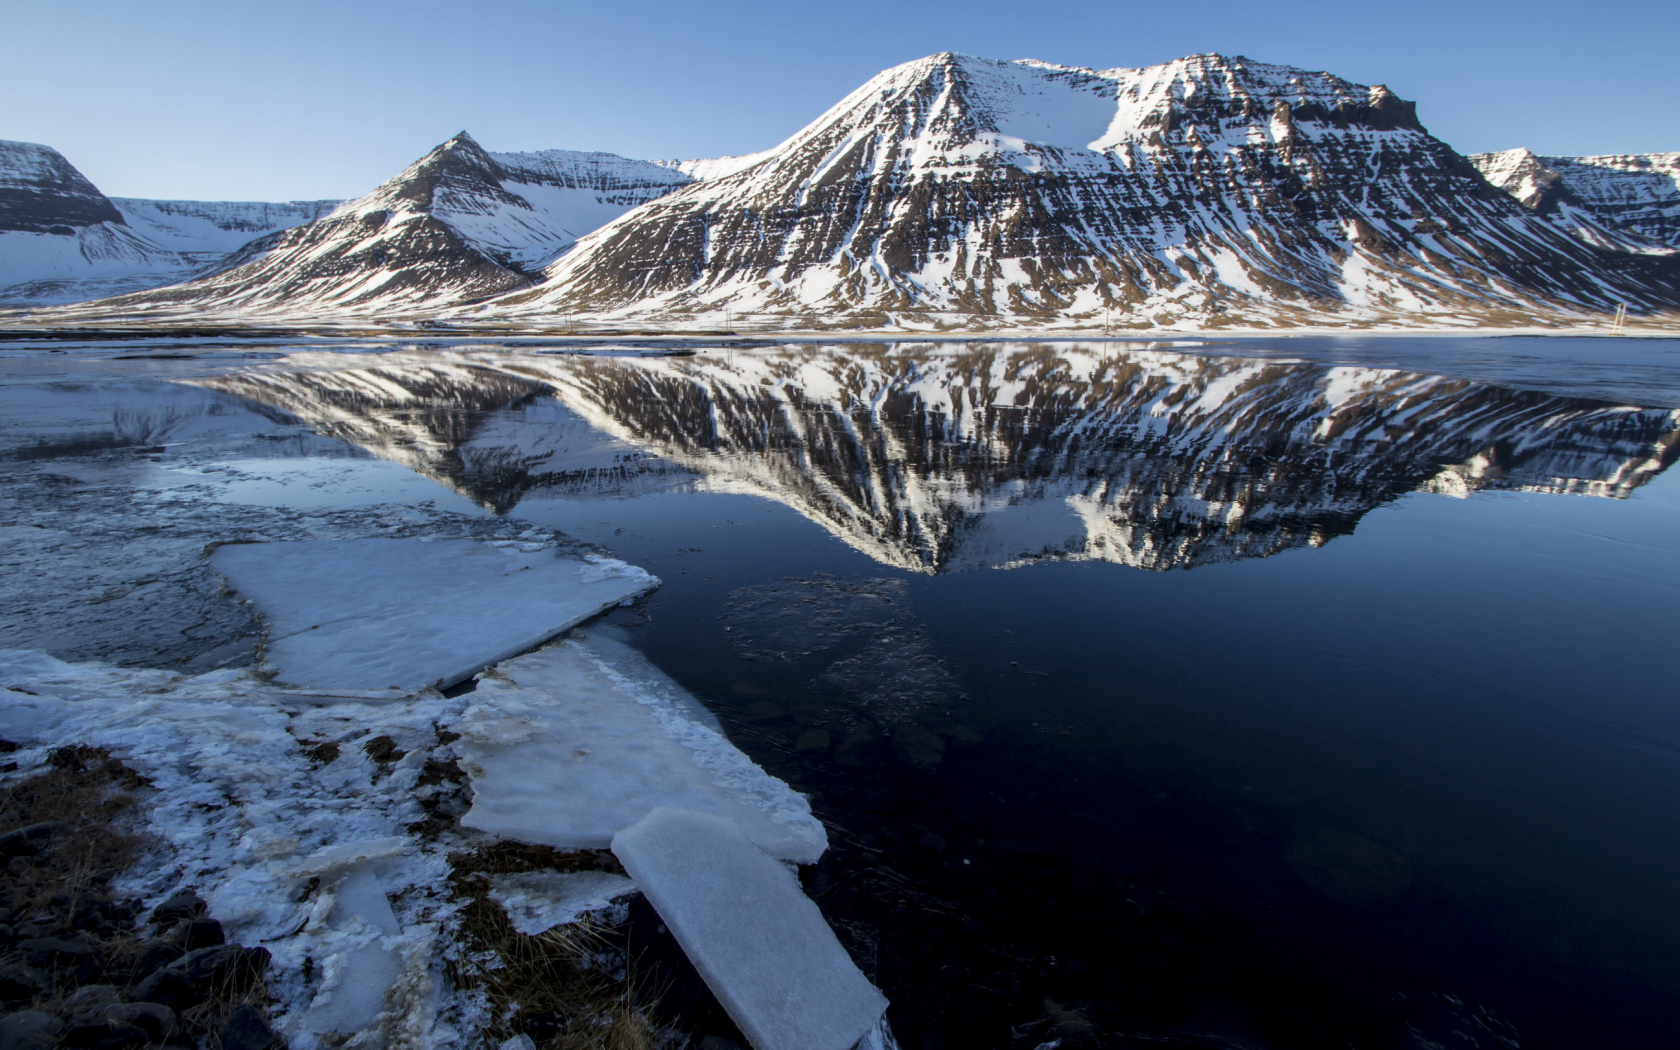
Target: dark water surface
[1306, 693]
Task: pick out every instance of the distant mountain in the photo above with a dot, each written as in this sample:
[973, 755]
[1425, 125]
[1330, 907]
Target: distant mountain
[969, 194]
[936, 459]
[1630, 200]
[56, 227]
[1209, 190]
[61, 240]
[460, 224]
[206, 231]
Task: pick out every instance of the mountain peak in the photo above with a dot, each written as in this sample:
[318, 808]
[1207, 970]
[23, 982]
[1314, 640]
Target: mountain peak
[42, 192]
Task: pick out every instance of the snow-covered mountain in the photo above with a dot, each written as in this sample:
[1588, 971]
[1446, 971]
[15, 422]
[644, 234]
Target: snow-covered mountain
[59, 232]
[61, 240]
[1209, 190]
[1630, 200]
[959, 192]
[205, 231]
[936, 458]
[460, 224]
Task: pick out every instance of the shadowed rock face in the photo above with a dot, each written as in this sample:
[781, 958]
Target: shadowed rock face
[41, 192]
[1215, 188]
[937, 459]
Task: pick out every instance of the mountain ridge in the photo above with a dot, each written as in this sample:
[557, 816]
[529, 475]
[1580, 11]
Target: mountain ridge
[1202, 187]
[962, 193]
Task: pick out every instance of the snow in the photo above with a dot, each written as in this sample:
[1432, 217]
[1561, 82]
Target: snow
[408, 613]
[760, 944]
[536, 901]
[353, 992]
[319, 859]
[240, 813]
[207, 230]
[579, 722]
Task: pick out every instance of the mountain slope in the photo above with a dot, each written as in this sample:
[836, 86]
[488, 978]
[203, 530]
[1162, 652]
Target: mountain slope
[205, 231]
[61, 240]
[1205, 190]
[59, 234]
[1602, 200]
[460, 224]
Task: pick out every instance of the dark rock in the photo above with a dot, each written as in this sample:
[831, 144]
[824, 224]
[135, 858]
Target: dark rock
[201, 933]
[21, 984]
[184, 905]
[60, 951]
[193, 978]
[29, 1030]
[26, 841]
[247, 1030]
[84, 1004]
[103, 1036]
[155, 1019]
[154, 956]
[718, 1042]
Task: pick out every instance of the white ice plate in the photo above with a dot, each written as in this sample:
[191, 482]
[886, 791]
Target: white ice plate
[541, 900]
[568, 745]
[407, 613]
[760, 944]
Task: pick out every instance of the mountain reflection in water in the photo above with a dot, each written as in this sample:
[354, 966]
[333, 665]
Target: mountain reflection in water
[938, 458]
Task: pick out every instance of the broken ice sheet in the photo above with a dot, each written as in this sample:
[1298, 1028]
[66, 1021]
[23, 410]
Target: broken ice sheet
[408, 613]
[761, 945]
[795, 617]
[541, 900]
[567, 745]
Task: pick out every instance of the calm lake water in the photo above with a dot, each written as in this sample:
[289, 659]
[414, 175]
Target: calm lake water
[1265, 693]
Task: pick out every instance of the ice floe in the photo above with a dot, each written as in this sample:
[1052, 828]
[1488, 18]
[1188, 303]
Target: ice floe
[760, 944]
[564, 749]
[409, 613]
[536, 901]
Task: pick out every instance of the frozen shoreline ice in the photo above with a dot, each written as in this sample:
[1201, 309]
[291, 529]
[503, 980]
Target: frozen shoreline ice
[410, 613]
[565, 722]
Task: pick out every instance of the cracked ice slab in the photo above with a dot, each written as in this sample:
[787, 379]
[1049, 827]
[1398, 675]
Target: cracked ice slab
[408, 613]
[760, 944]
[569, 745]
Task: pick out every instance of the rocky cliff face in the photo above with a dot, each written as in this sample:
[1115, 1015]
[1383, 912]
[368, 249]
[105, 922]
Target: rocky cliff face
[41, 192]
[943, 458]
[459, 225]
[1210, 189]
[1622, 199]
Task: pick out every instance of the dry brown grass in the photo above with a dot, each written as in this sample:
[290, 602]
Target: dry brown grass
[89, 791]
[558, 986]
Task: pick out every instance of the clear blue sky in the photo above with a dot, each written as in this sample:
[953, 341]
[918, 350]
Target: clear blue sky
[308, 99]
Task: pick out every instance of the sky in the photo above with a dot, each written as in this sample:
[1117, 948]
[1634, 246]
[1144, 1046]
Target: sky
[308, 100]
